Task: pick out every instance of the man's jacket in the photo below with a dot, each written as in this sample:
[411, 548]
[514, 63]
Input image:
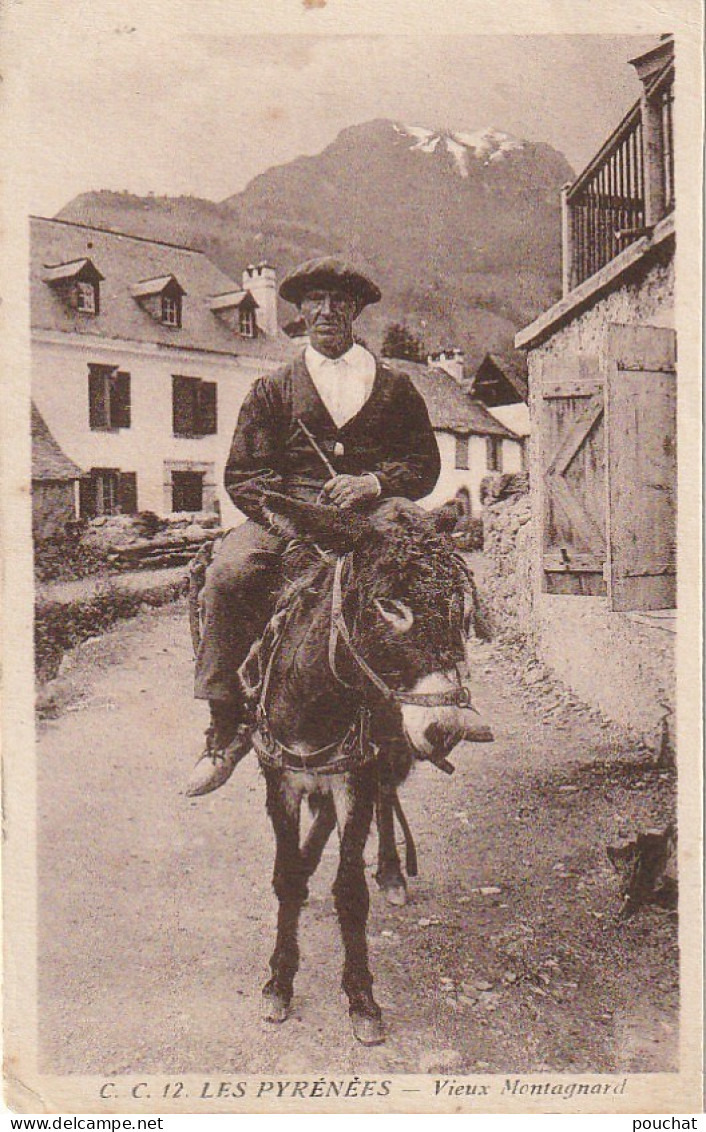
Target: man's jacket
[390, 436]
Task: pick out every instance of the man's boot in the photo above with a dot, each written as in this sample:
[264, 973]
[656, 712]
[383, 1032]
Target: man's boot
[227, 742]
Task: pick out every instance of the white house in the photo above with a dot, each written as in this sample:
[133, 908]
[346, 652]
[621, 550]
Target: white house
[142, 353]
[472, 442]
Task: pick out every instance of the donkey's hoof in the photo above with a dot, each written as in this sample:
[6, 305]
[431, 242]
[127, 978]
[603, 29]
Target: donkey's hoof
[393, 888]
[275, 1006]
[368, 1031]
[395, 893]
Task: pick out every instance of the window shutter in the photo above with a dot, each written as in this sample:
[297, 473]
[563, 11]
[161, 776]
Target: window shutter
[127, 493]
[573, 480]
[87, 497]
[493, 452]
[98, 401]
[208, 409]
[641, 393]
[462, 453]
[120, 400]
[183, 405]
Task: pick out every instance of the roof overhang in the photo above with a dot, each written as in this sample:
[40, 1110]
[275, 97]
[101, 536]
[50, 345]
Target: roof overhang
[158, 286]
[75, 270]
[232, 300]
[610, 277]
[494, 372]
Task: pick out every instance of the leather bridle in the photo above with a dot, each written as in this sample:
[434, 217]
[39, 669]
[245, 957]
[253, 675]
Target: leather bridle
[354, 747]
[460, 696]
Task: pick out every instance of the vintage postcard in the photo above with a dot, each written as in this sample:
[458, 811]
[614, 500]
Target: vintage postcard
[351, 570]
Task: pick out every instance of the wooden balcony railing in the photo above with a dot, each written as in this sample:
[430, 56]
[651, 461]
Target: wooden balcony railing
[625, 190]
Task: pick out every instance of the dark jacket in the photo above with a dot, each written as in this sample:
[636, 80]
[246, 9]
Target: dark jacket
[390, 436]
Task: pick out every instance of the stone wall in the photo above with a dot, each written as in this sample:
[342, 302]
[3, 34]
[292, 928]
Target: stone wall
[504, 577]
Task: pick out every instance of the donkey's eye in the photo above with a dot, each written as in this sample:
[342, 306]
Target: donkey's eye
[398, 615]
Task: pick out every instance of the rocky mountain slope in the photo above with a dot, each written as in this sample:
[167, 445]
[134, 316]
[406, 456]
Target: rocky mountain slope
[462, 230]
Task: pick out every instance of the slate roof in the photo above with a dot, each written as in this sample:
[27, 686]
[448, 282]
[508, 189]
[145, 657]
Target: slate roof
[497, 371]
[49, 462]
[126, 261]
[450, 409]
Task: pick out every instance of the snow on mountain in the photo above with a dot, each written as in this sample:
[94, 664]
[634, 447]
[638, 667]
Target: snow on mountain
[486, 144]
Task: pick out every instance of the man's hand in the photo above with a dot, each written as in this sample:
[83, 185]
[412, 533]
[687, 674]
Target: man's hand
[351, 491]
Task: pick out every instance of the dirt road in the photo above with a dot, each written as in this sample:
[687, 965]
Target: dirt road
[157, 915]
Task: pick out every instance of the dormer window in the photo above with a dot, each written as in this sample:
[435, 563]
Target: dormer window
[76, 283]
[237, 310]
[171, 310]
[161, 298]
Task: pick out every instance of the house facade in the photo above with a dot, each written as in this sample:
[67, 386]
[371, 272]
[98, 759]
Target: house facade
[602, 384]
[472, 442]
[142, 353]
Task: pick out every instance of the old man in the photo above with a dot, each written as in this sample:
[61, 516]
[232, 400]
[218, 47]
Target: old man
[369, 425]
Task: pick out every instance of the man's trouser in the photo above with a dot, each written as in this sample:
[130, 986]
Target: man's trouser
[237, 600]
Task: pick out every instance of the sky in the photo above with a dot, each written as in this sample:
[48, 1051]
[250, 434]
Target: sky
[116, 103]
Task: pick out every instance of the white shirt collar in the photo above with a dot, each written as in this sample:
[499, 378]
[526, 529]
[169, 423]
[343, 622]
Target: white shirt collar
[357, 360]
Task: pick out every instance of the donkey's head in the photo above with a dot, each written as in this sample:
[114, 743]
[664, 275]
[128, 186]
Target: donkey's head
[403, 604]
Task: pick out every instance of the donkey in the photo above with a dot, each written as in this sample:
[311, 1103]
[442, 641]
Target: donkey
[361, 669]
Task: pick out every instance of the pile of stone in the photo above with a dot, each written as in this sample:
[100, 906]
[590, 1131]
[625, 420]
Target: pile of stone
[144, 541]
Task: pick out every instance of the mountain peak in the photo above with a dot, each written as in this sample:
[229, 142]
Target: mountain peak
[486, 144]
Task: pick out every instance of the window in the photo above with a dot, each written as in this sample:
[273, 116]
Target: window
[171, 310]
[108, 491]
[194, 406]
[108, 397]
[187, 491]
[494, 454]
[87, 298]
[462, 463]
[246, 323]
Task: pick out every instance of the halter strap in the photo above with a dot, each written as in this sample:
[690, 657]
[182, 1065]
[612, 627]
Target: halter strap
[459, 696]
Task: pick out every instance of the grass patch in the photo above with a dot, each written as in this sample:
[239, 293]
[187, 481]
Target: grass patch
[61, 625]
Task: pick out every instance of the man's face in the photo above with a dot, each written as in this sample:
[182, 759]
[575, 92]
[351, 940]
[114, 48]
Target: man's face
[329, 315]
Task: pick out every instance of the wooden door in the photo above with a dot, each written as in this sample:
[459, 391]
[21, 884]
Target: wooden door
[573, 480]
[641, 391]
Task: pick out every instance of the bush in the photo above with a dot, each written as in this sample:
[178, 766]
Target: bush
[400, 342]
[61, 625]
[63, 558]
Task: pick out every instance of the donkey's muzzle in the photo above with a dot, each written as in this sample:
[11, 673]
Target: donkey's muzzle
[434, 730]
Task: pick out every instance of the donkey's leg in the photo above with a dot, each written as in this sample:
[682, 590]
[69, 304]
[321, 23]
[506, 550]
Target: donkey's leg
[289, 881]
[317, 837]
[389, 875]
[354, 799]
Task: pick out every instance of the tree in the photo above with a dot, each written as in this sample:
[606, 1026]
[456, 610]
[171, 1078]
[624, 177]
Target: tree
[400, 342]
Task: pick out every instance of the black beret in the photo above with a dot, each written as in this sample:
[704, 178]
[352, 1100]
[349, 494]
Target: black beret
[327, 271]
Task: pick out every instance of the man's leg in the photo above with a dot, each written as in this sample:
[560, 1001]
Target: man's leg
[237, 603]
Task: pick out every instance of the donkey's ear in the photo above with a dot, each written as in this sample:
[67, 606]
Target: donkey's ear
[326, 525]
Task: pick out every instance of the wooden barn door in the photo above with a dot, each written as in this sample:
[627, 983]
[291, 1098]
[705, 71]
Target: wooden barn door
[641, 406]
[573, 483]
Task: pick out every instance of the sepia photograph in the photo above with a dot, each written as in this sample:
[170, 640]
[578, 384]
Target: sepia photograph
[351, 747]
